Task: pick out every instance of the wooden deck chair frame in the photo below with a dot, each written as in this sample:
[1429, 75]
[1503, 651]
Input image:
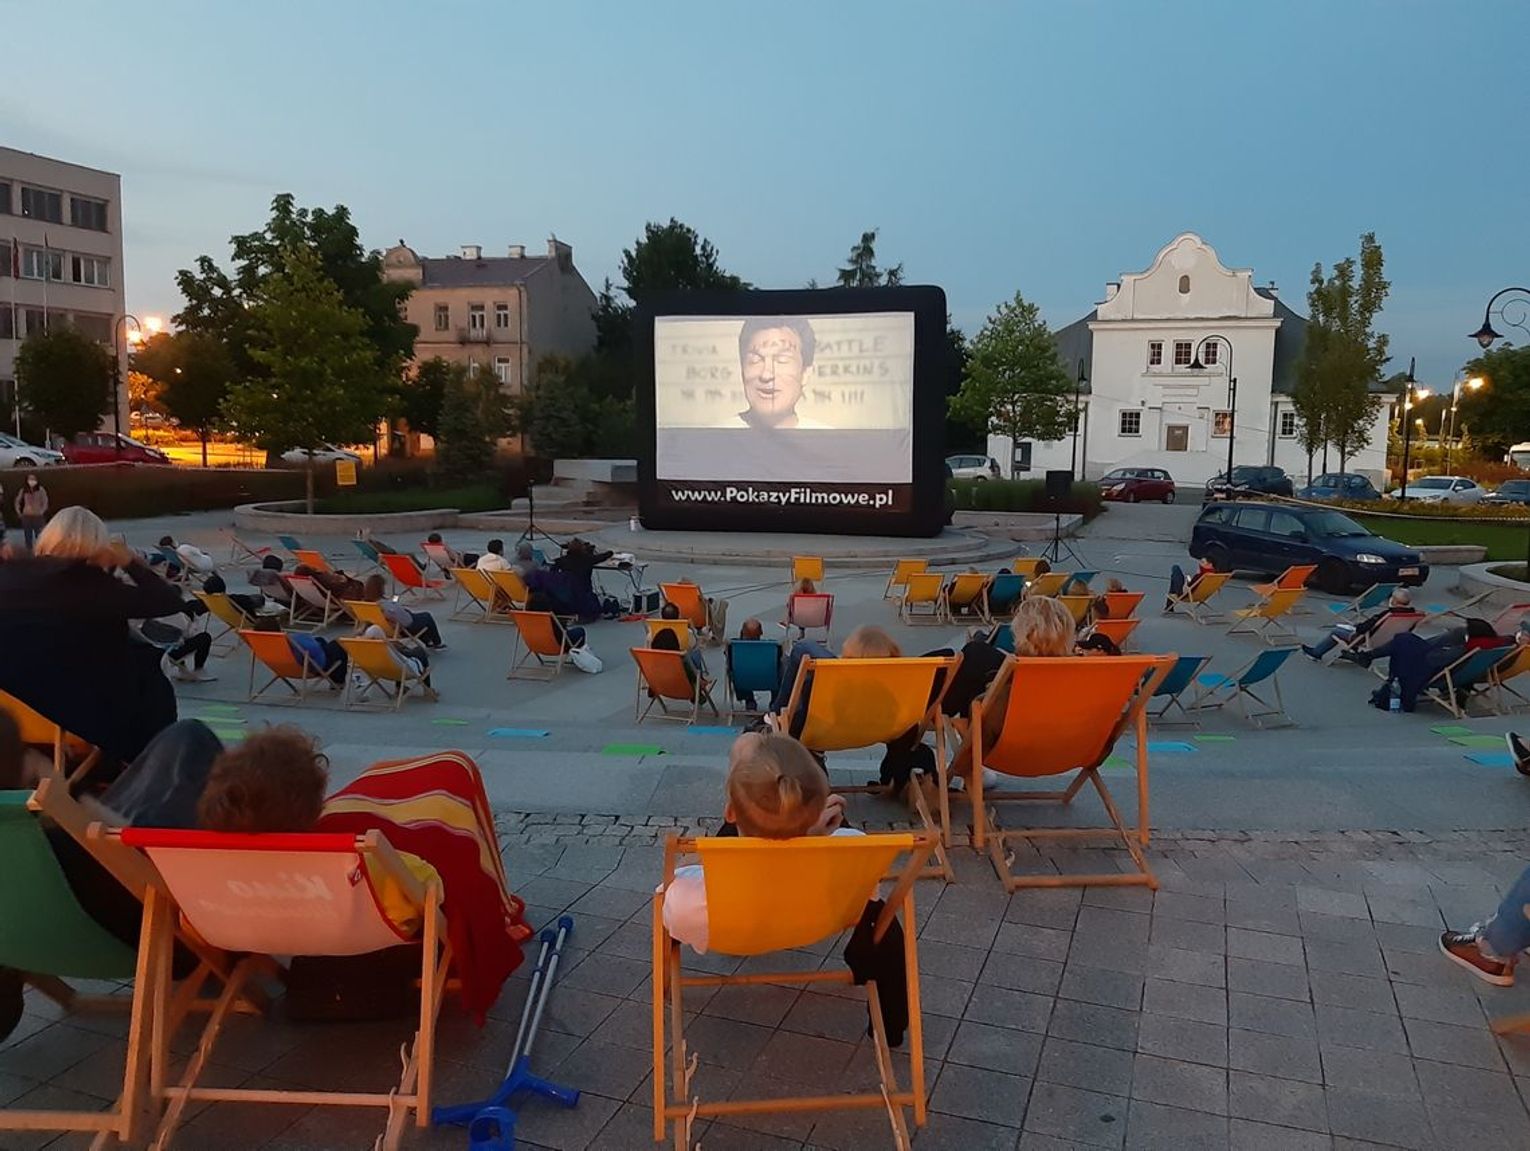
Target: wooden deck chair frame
[967, 590]
[1175, 699]
[302, 670]
[1211, 696]
[510, 588]
[536, 642]
[173, 561]
[1295, 576]
[987, 833]
[1515, 663]
[674, 1100]
[1268, 616]
[475, 597]
[807, 567]
[1453, 687]
[238, 550]
[1047, 584]
[439, 555]
[1507, 621]
[413, 1091]
[396, 678]
[371, 553]
[39, 731]
[224, 610]
[313, 558]
[1197, 596]
[406, 573]
[1464, 606]
[924, 589]
[1384, 632]
[309, 596]
[902, 569]
[700, 693]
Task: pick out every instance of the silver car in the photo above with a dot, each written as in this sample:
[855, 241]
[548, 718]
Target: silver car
[1442, 490]
[16, 453]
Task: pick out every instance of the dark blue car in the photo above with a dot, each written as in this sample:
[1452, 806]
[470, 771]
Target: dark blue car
[1339, 486]
[1244, 535]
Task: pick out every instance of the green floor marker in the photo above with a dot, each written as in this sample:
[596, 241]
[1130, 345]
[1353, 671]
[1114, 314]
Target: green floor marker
[449, 722]
[1116, 762]
[631, 749]
[220, 709]
[1451, 729]
[1477, 740]
[1215, 738]
[222, 721]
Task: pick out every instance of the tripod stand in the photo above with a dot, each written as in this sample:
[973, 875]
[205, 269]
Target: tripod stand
[1056, 549]
[532, 532]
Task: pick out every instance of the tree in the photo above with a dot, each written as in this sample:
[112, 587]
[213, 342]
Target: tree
[862, 270]
[64, 378]
[556, 411]
[475, 412]
[418, 400]
[960, 432]
[1016, 386]
[193, 371]
[319, 378]
[1498, 414]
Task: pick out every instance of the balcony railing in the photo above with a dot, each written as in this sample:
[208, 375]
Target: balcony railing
[472, 335]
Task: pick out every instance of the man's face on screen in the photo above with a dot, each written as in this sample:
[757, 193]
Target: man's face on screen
[773, 374]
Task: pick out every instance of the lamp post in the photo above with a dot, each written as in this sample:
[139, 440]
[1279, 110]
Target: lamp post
[119, 337]
[1232, 393]
[1473, 384]
[1078, 388]
[1411, 392]
[1514, 311]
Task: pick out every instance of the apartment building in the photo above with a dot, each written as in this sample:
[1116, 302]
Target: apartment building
[60, 256]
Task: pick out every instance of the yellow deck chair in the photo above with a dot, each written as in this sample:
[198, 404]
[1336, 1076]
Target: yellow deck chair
[765, 896]
[510, 591]
[537, 633]
[1119, 630]
[1123, 604]
[1266, 619]
[1077, 605]
[689, 599]
[681, 628]
[900, 573]
[310, 558]
[1048, 583]
[663, 679]
[384, 669]
[1195, 600]
[967, 592]
[228, 613]
[923, 590]
[72, 757]
[807, 567]
[368, 614]
[475, 596]
[1516, 665]
[271, 650]
[1027, 565]
[1064, 715]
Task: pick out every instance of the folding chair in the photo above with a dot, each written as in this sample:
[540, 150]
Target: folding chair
[1063, 715]
[688, 598]
[238, 550]
[279, 895]
[1214, 690]
[900, 573]
[510, 592]
[1196, 598]
[1267, 616]
[1002, 594]
[753, 668]
[1373, 598]
[1507, 621]
[1394, 625]
[382, 668]
[807, 567]
[1003, 638]
[1515, 663]
[313, 608]
[1295, 576]
[37, 730]
[1118, 630]
[311, 558]
[369, 552]
[1454, 686]
[368, 614]
[922, 590]
[1123, 604]
[228, 613]
[271, 650]
[441, 556]
[1083, 577]
[967, 592]
[680, 627]
[663, 676]
[174, 563]
[766, 896]
[537, 633]
[475, 596]
[809, 610]
[407, 574]
[1026, 566]
[291, 543]
[1171, 689]
[1078, 606]
[1047, 584]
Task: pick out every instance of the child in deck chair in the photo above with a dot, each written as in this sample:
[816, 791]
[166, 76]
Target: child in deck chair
[1180, 584]
[775, 790]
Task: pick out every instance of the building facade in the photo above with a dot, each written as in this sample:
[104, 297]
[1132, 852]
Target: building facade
[1146, 403]
[60, 259]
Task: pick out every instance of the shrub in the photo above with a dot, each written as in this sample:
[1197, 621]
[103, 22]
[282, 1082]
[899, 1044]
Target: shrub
[1414, 509]
[120, 491]
[1022, 496]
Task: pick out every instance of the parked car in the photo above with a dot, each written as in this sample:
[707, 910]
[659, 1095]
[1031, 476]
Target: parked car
[1249, 480]
[1246, 535]
[1339, 486]
[111, 448]
[1509, 492]
[1442, 490]
[16, 453]
[1134, 485]
[973, 467]
[323, 454]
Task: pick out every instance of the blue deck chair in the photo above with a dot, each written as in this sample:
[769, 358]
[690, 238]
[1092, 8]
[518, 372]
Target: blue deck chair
[173, 563]
[1004, 593]
[1373, 598]
[1216, 690]
[371, 553]
[1452, 687]
[1002, 638]
[1173, 685]
[754, 668]
[1082, 577]
[291, 543]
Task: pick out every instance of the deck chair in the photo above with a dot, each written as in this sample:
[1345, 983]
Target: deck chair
[239, 550]
[662, 677]
[1027, 565]
[753, 668]
[291, 543]
[1295, 576]
[1387, 630]
[1373, 598]
[1172, 687]
[510, 591]
[538, 650]
[1214, 690]
[1063, 716]
[1003, 638]
[406, 574]
[309, 557]
[1516, 662]
[1083, 577]
[256, 895]
[681, 628]
[313, 608]
[1119, 630]
[1078, 606]
[1123, 604]
[441, 556]
[230, 615]
[1195, 600]
[72, 757]
[966, 592]
[1267, 617]
[922, 590]
[368, 614]
[270, 649]
[689, 599]
[809, 611]
[807, 567]
[1047, 584]
[381, 668]
[475, 596]
[1508, 620]
[1453, 687]
[1002, 594]
[766, 896]
[174, 563]
[369, 552]
[899, 578]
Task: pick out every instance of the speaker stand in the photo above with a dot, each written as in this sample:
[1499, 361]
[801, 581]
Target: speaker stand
[1059, 546]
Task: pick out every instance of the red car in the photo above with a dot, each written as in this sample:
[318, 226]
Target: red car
[1134, 485]
[110, 448]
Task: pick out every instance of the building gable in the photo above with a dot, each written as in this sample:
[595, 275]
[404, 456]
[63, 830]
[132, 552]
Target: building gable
[1186, 281]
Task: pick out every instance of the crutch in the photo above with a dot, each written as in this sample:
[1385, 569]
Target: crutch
[491, 1123]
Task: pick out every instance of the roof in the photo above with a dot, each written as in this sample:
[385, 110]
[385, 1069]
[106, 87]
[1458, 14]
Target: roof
[488, 272]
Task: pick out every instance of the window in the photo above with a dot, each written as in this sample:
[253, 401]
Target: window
[1211, 354]
[1285, 524]
[36, 321]
[476, 318]
[1182, 353]
[7, 322]
[5, 257]
[94, 325]
[1216, 514]
[87, 213]
[1254, 519]
[5, 199]
[1131, 423]
[1184, 285]
[443, 317]
[41, 205]
[502, 368]
[42, 264]
[472, 369]
[1155, 353]
[501, 315]
[1221, 424]
[1287, 425]
[90, 270]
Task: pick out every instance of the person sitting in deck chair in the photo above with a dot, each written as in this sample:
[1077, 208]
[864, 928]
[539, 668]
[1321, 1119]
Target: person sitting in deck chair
[192, 557]
[1350, 634]
[173, 636]
[1412, 661]
[1180, 584]
[269, 581]
[407, 654]
[453, 556]
[493, 558]
[865, 642]
[751, 628]
[325, 655]
[420, 624]
[338, 584]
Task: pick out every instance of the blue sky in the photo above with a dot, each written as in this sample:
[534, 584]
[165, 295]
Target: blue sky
[1045, 147]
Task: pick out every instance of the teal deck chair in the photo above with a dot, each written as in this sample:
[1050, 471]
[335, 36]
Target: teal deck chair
[754, 668]
[1373, 598]
[1216, 690]
[1172, 687]
[1003, 638]
[291, 543]
[1453, 687]
[1004, 593]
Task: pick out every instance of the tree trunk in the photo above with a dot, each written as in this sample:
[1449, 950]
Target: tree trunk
[204, 449]
[308, 473]
[1325, 456]
[1309, 469]
[1343, 459]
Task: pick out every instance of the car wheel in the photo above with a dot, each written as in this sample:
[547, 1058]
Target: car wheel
[979, 479]
[1219, 558]
[1333, 576]
[25, 462]
[1168, 497]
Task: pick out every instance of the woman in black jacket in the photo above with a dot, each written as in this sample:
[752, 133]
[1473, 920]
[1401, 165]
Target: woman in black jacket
[68, 652]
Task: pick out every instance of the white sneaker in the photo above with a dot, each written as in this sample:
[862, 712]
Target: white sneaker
[199, 675]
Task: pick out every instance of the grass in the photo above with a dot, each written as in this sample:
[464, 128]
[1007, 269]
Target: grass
[472, 498]
[1503, 541]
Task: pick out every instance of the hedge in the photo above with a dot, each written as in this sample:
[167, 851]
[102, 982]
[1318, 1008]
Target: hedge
[1022, 496]
[1419, 510]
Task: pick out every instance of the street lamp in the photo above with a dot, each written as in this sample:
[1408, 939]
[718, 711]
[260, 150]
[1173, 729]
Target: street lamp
[119, 333]
[1232, 393]
[1411, 393]
[1485, 335]
[1078, 388]
[1455, 401]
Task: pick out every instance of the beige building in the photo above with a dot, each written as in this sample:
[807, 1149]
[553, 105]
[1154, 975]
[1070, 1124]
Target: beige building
[496, 313]
[60, 258]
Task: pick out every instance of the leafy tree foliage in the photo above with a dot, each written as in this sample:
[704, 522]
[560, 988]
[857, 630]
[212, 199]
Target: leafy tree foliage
[193, 371]
[475, 413]
[64, 379]
[419, 398]
[1498, 414]
[862, 272]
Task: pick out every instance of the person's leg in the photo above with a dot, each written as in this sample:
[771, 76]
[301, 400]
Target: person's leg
[800, 651]
[573, 636]
[162, 786]
[336, 661]
[1325, 645]
[423, 624]
[1490, 950]
[201, 647]
[1176, 581]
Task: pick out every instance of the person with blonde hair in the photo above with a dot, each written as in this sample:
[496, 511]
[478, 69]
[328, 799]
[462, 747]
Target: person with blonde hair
[865, 642]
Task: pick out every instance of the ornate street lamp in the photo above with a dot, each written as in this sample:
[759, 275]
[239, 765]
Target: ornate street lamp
[1232, 393]
[1411, 394]
[1513, 312]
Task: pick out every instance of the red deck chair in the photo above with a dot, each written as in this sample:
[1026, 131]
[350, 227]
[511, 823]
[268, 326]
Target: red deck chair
[407, 574]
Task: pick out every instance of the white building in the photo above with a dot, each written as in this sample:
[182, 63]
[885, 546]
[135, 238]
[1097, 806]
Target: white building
[1144, 405]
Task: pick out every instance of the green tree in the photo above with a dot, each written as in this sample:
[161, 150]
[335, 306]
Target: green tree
[1015, 384]
[319, 378]
[64, 378]
[475, 413]
[556, 412]
[960, 432]
[862, 270]
[418, 399]
[1499, 413]
[193, 371]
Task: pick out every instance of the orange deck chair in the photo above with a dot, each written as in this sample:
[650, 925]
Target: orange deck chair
[308, 557]
[475, 597]
[73, 758]
[1119, 630]
[1506, 700]
[809, 611]
[1195, 600]
[1266, 619]
[923, 599]
[1123, 604]
[662, 678]
[967, 592]
[407, 574]
[1064, 716]
[228, 613]
[766, 896]
[440, 555]
[1295, 576]
[681, 628]
[538, 651]
[270, 650]
[899, 578]
[688, 598]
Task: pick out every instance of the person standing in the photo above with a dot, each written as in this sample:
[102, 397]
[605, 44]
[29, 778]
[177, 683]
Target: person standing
[32, 507]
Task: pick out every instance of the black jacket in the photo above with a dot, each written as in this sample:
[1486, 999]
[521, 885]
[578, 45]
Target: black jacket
[65, 649]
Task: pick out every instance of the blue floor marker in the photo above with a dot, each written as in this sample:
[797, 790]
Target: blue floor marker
[1491, 758]
[517, 733]
[714, 729]
[1170, 747]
